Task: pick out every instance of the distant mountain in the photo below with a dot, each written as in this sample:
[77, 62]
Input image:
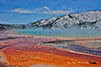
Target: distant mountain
[11, 26]
[86, 20]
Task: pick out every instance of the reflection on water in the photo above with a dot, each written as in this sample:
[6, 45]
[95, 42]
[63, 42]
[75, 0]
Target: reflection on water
[60, 32]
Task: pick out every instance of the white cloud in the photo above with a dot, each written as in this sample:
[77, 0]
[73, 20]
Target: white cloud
[56, 12]
[21, 10]
[45, 7]
[43, 10]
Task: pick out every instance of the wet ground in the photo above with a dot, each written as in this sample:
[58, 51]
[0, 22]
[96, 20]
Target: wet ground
[53, 52]
[92, 46]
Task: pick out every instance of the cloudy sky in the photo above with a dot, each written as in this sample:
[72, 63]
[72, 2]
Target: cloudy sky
[26, 11]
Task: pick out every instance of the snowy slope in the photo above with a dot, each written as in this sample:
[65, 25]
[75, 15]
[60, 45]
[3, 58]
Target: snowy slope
[87, 20]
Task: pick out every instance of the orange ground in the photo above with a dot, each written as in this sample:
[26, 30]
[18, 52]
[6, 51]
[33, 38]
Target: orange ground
[27, 51]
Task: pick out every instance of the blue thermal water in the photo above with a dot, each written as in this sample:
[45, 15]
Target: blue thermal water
[60, 32]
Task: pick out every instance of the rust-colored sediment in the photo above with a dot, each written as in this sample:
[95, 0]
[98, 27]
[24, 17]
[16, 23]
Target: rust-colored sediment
[27, 52]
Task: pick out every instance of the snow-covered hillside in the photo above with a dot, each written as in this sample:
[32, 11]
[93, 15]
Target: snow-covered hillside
[86, 20]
